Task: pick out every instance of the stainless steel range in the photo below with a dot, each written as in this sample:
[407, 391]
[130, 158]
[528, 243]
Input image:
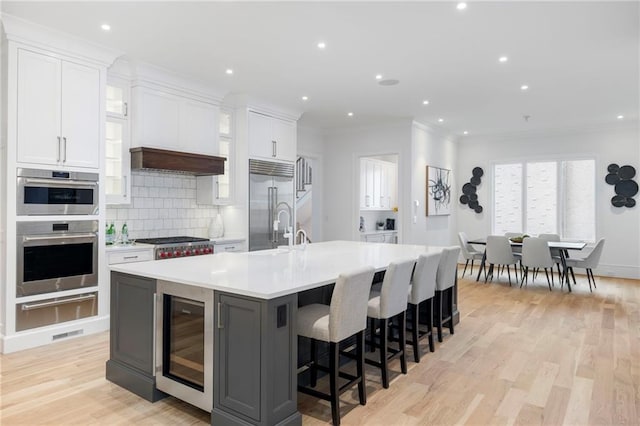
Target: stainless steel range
[170, 247]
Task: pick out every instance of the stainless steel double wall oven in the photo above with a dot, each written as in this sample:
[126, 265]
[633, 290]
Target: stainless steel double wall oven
[56, 255]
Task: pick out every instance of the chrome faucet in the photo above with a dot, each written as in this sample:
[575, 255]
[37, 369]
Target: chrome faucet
[303, 239]
[288, 234]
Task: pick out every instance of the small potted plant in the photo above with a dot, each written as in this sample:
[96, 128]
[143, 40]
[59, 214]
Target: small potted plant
[380, 225]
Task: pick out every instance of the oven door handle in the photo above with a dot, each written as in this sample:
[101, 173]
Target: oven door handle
[31, 306]
[59, 237]
[62, 183]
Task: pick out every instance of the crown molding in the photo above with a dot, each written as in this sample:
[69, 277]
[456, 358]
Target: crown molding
[28, 33]
[554, 131]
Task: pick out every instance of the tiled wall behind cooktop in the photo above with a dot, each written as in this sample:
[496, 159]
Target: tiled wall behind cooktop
[162, 204]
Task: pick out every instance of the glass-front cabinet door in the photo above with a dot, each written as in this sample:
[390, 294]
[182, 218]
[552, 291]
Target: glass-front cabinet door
[225, 193]
[118, 161]
[218, 190]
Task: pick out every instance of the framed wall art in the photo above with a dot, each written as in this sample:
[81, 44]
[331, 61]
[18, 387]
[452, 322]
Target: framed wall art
[438, 191]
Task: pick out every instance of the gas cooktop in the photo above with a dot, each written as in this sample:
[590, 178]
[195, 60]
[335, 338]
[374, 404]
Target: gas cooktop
[170, 240]
[170, 247]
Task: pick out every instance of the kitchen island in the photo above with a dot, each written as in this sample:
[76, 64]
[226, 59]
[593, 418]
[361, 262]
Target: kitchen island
[252, 376]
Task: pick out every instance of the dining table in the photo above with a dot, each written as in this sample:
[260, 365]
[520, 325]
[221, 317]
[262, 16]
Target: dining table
[562, 246]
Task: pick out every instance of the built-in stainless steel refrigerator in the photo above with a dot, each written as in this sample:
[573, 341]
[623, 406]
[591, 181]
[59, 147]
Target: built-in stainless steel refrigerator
[271, 189]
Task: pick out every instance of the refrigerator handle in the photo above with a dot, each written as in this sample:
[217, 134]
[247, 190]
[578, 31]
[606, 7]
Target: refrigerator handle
[275, 205]
[270, 211]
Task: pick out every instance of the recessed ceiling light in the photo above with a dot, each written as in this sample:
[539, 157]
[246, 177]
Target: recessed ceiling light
[503, 59]
[388, 82]
[304, 98]
[350, 114]
[465, 132]
[322, 45]
[229, 71]
[378, 76]
[425, 102]
[620, 117]
[461, 6]
[440, 120]
[105, 27]
[524, 87]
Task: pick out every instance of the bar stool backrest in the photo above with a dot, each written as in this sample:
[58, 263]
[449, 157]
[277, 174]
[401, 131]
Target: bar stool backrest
[423, 283]
[446, 275]
[348, 308]
[395, 286]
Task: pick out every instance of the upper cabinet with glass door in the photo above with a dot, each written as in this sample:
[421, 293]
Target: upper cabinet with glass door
[118, 161]
[218, 190]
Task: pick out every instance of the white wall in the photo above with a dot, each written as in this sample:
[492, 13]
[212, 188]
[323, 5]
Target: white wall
[310, 144]
[618, 143]
[416, 146]
[343, 149]
[429, 147]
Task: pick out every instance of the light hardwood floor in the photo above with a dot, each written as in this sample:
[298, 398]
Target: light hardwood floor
[519, 356]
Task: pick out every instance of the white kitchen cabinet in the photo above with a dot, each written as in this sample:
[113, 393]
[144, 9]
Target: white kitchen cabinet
[389, 237]
[117, 143]
[378, 186]
[168, 121]
[271, 138]
[219, 190]
[228, 247]
[128, 254]
[58, 115]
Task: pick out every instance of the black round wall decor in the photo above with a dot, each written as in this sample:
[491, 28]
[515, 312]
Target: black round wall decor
[624, 186]
[470, 197]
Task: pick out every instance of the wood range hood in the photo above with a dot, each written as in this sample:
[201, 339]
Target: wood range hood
[175, 161]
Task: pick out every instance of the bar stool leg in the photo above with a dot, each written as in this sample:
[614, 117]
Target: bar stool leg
[372, 334]
[314, 363]
[432, 346]
[333, 382]
[383, 352]
[362, 389]
[450, 293]
[403, 342]
[415, 311]
[439, 309]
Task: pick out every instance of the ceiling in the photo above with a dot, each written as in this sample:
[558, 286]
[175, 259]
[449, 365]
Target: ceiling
[579, 59]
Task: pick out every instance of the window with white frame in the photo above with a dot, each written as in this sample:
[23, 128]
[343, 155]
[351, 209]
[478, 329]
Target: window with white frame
[539, 197]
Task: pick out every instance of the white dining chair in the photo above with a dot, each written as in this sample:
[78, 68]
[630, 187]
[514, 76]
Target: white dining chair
[536, 254]
[555, 253]
[499, 253]
[588, 263]
[468, 252]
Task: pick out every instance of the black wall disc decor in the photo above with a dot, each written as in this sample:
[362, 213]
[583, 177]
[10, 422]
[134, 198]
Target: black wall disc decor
[469, 196]
[625, 187]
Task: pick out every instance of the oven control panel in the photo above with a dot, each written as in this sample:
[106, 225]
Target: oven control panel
[184, 250]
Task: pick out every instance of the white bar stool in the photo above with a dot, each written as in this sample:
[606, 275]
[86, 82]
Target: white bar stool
[344, 317]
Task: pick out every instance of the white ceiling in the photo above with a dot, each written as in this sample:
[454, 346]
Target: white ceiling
[580, 59]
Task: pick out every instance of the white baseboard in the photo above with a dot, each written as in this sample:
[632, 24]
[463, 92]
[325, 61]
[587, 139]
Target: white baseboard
[603, 270]
[54, 333]
[618, 271]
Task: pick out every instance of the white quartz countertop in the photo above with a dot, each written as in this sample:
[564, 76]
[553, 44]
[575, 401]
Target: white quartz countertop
[269, 274]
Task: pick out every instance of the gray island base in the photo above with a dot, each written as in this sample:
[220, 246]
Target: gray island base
[255, 344]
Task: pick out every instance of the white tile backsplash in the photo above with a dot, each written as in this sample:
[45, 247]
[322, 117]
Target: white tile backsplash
[162, 204]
